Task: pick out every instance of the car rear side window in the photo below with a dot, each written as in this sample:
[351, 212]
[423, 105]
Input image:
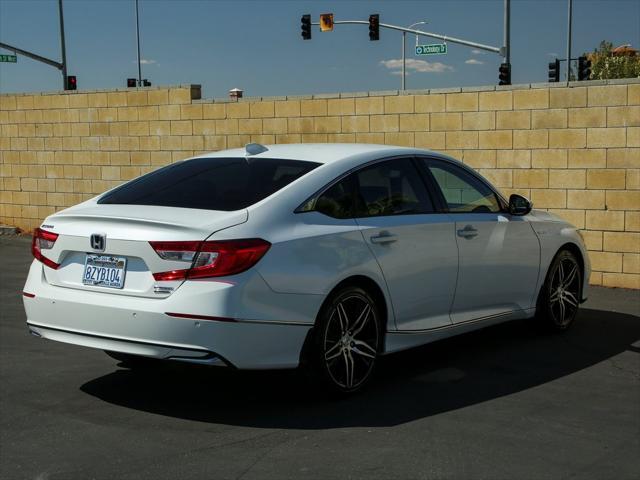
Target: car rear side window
[210, 183]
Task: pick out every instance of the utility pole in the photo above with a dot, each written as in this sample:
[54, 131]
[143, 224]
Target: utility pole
[569, 41]
[63, 47]
[138, 42]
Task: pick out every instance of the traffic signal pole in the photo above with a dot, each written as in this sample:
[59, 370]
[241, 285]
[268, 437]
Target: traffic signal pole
[63, 47]
[468, 43]
[62, 66]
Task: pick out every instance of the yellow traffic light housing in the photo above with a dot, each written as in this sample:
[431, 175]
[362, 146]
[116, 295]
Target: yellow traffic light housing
[326, 22]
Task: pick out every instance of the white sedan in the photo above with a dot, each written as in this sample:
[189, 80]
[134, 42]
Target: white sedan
[322, 256]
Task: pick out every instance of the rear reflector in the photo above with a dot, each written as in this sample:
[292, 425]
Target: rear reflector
[28, 295]
[210, 259]
[43, 240]
[201, 317]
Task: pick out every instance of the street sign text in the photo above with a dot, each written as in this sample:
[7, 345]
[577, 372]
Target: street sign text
[9, 58]
[432, 49]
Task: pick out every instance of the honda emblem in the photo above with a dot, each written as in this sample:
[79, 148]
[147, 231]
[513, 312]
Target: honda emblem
[98, 241]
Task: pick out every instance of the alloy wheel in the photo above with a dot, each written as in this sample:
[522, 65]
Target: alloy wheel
[564, 291]
[350, 341]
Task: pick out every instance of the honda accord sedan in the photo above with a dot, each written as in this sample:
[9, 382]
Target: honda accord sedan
[321, 256]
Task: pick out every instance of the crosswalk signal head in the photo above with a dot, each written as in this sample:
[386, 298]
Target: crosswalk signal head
[306, 27]
[71, 83]
[504, 74]
[554, 71]
[374, 27]
[132, 83]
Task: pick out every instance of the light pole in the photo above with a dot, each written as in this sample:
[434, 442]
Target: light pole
[404, 60]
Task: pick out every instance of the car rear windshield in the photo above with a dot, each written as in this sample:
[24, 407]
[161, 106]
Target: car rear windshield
[210, 183]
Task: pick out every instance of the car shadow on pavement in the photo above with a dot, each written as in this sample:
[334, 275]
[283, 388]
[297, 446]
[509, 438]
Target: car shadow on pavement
[443, 376]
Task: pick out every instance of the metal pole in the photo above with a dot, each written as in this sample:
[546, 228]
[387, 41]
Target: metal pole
[138, 41]
[507, 31]
[480, 46]
[569, 41]
[32, 55]
[63, 47]
[404, 37]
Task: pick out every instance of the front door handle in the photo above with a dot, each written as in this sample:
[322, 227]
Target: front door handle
[468, 232]
[384, 237]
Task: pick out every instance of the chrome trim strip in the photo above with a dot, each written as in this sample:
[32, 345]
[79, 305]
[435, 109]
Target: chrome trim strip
[453, 325]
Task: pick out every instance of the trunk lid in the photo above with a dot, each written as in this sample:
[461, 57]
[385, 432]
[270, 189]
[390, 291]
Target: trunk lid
[127, 231]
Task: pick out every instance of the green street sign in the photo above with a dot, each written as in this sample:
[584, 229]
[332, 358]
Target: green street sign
[432, 49]
[9, 58]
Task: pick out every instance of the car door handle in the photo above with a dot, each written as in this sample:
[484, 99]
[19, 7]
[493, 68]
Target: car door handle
[468, 232]
[384, 237]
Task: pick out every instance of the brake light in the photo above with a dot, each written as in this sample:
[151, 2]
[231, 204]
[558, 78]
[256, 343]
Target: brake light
[210, 259]
[43, 240]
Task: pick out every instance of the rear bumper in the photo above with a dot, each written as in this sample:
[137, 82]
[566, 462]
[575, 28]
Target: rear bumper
[141, 326]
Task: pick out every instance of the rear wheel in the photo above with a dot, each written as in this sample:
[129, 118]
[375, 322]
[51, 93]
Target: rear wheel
[347, 341]
[559, 298]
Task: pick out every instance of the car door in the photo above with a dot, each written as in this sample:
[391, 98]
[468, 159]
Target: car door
[499, 253]
[413, 244]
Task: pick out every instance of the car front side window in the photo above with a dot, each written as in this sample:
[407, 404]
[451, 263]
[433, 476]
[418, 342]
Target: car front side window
[462, 192]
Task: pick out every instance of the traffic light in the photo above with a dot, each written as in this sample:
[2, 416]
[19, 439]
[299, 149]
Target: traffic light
[71, 83]
[326, 22]
[554, 71]
[306, 27]
[132, 83]
[584, 68]
[374, 27]
[146, 83]
[504, 74]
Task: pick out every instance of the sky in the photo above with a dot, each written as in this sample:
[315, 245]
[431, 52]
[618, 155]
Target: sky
[257, 46]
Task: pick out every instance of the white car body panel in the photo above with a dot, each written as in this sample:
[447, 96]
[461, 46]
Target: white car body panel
[261, 318]
[420, 266]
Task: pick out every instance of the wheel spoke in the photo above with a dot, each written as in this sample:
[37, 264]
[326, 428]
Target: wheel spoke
[333, 352]
[361, 321]
[560, 273]
[570, 298]
[571, 276]
[562, 311]
[364, 349]
[554, 297]
[349, 367]
[342, 318]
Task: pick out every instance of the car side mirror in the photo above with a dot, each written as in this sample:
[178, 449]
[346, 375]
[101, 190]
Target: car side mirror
[519, 205]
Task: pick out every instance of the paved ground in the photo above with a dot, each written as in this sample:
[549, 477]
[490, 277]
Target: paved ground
[506, 402]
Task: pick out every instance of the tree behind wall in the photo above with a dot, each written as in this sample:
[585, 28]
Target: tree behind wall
[606, 64]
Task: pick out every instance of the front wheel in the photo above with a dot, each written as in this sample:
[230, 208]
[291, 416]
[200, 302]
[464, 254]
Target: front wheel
[560, 295]
[347, 341]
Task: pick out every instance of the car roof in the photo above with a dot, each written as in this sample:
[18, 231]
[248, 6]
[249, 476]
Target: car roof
[320, 152]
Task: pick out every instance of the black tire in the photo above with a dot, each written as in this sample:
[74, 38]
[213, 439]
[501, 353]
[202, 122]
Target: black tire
[346, 342]
[559, 298]
[128, 360]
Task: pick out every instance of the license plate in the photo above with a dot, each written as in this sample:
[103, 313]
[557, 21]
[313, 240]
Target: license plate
[104, 271]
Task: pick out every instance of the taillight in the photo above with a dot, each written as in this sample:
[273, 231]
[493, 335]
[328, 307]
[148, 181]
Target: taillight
[43, 240]
[210, 259]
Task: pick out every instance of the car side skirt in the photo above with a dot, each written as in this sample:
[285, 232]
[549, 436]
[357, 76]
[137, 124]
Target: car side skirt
[402, 340]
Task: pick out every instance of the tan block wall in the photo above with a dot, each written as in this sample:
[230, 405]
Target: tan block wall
[573, 149]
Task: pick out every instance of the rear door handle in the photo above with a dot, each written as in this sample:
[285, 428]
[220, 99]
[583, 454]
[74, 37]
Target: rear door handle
[468, 232]
[384, 237]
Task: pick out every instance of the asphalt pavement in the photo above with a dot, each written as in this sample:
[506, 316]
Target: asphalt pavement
[505, 402]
